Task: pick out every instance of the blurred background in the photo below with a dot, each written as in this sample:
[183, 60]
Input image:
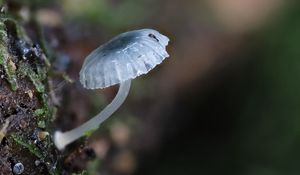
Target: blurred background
[226, 101]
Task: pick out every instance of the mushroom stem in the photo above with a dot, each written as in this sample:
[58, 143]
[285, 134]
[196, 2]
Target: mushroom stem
[63, 139]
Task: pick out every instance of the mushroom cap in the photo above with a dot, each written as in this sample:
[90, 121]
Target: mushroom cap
[124, 57]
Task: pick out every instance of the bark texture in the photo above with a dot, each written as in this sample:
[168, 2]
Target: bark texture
[26, 109]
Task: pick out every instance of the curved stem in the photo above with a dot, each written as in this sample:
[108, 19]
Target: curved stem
[63, 139]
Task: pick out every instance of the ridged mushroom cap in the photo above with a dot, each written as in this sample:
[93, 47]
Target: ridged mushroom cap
[124, 57]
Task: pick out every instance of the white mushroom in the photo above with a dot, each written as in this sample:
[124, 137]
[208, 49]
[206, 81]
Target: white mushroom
[120, 60]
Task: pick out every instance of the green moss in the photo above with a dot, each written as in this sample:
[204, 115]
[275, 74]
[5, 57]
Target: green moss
[9, 67]
[47, 109]
[41, 124]
[42, 73]
[39, 112]
[10, 70]
[32, 148]
[37, 83]
[2, 30]
[26, 70]
[46, 113]
[5, 60]
[1, 57]
[37, 75]
[35, 72]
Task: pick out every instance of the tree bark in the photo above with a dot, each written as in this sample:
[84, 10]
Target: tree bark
[26, 107]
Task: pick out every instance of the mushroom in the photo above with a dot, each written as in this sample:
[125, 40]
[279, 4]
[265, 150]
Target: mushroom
[118, 61]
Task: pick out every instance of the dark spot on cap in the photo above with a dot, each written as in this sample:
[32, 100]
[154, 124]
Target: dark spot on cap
[153, 36]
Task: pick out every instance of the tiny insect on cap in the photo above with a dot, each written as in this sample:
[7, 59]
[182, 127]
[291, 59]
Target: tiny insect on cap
[125, 57]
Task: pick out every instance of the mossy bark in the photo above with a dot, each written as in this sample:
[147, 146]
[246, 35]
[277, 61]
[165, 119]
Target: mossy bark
[26, 110]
